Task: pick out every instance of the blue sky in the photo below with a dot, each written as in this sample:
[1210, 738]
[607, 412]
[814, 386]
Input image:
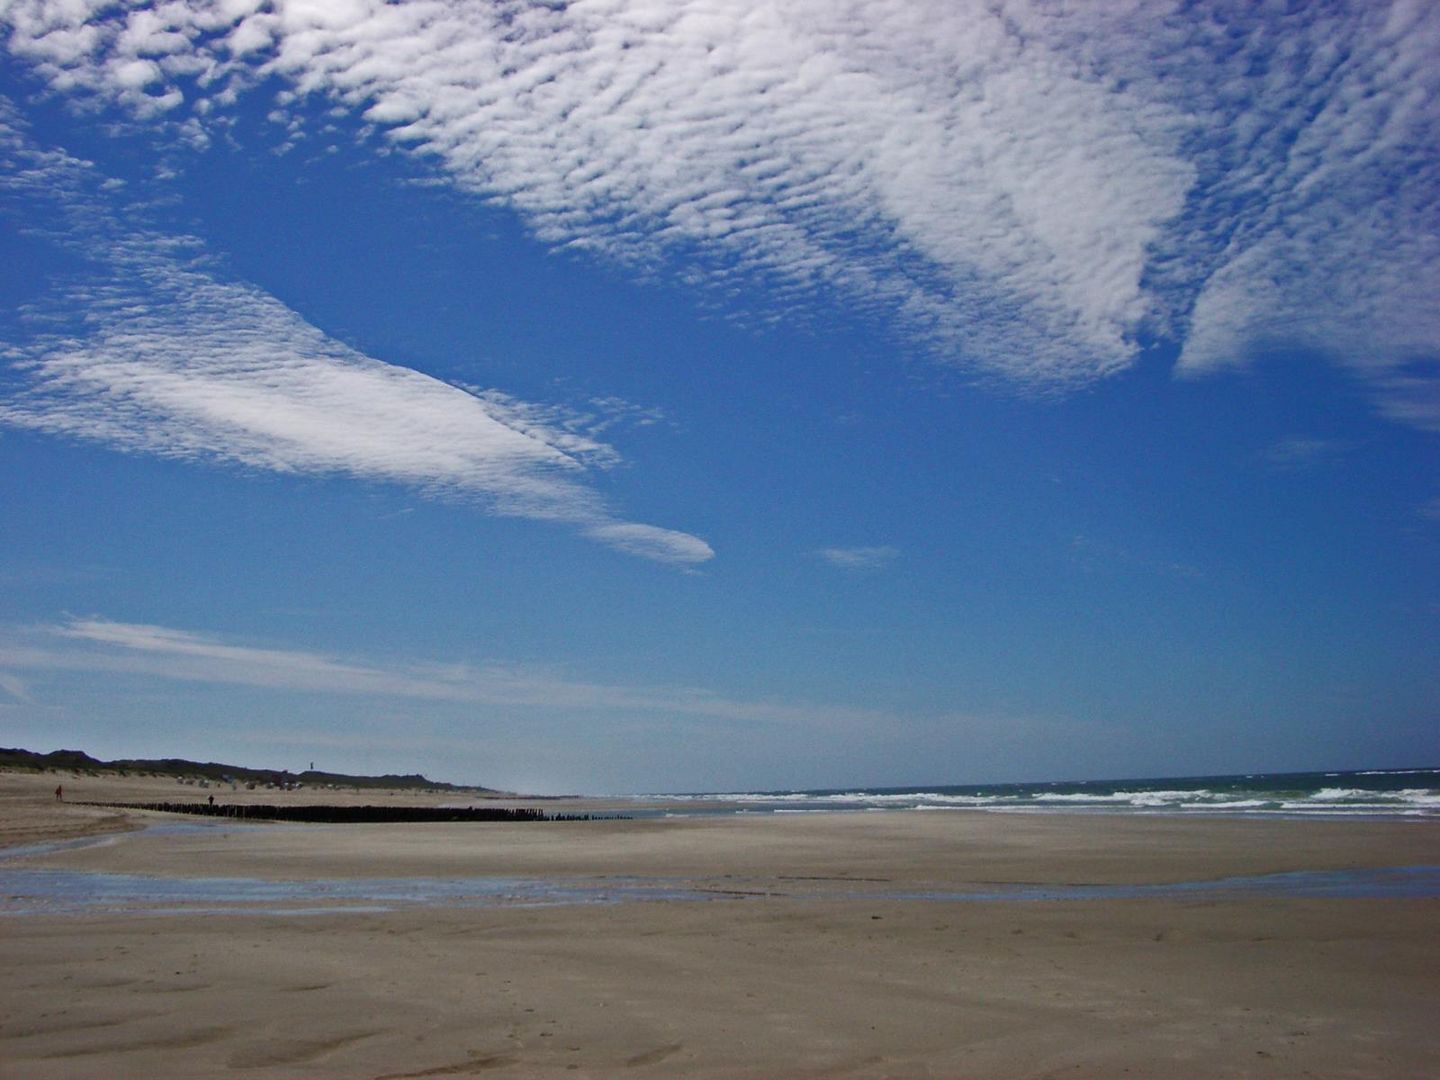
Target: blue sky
[627, 396]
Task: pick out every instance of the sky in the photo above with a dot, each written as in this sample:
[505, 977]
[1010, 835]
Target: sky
[722, 395]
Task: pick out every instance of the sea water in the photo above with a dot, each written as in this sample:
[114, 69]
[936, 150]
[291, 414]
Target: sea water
[1367, 793]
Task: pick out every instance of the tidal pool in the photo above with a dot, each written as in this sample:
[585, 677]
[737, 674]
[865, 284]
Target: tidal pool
[26, 890]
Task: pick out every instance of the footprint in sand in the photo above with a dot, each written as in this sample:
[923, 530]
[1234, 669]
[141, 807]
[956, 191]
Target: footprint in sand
[654, 1057]
[292, 1053]
[474, 1064]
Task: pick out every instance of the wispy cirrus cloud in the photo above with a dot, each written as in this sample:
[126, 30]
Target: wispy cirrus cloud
[1031, 189]
[102, 645]
[1300, 452]
[175, 361]
[15, 689]
[859, 558]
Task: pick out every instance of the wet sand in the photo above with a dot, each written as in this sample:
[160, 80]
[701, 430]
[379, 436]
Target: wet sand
[793, 982]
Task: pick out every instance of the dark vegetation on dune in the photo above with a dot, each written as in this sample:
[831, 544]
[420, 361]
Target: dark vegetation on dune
[80, 762]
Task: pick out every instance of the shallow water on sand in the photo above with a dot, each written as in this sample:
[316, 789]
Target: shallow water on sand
[40, 891]
[75, 892]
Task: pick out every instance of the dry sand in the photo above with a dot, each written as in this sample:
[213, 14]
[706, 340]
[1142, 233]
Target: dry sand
[794, 984]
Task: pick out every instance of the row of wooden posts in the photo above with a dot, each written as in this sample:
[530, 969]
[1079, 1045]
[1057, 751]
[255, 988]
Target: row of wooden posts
[346, 814]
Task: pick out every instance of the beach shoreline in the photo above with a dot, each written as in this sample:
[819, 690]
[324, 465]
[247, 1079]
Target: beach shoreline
[804, 963]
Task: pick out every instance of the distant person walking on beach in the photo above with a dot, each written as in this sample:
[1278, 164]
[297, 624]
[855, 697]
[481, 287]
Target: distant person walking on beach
[59, 791]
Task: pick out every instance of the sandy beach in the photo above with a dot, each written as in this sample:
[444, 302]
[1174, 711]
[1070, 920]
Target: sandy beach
[806, 960]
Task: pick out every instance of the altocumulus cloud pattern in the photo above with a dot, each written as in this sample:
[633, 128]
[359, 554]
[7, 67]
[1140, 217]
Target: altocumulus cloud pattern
[1032, 191]
[1034, 186]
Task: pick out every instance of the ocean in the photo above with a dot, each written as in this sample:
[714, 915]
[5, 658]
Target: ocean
[1409, 793]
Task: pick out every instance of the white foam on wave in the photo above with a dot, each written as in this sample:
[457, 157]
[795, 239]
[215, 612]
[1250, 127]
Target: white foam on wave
[1414, 796]
[1337, 794]
[1135, 798]
[1420, 796]
[1328, 801]
[794, 810]
[1356, 810]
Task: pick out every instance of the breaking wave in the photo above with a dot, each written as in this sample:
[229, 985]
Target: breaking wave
[1372, 793]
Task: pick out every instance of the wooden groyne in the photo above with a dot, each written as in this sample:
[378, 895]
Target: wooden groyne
[346, 814]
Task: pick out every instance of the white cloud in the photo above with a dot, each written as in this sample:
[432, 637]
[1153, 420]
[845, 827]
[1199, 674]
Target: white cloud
[651, 542]
[859, 558]
[1299, 452]
[100, 645]
[174, 361]
[15, 688]
[1029, 187]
